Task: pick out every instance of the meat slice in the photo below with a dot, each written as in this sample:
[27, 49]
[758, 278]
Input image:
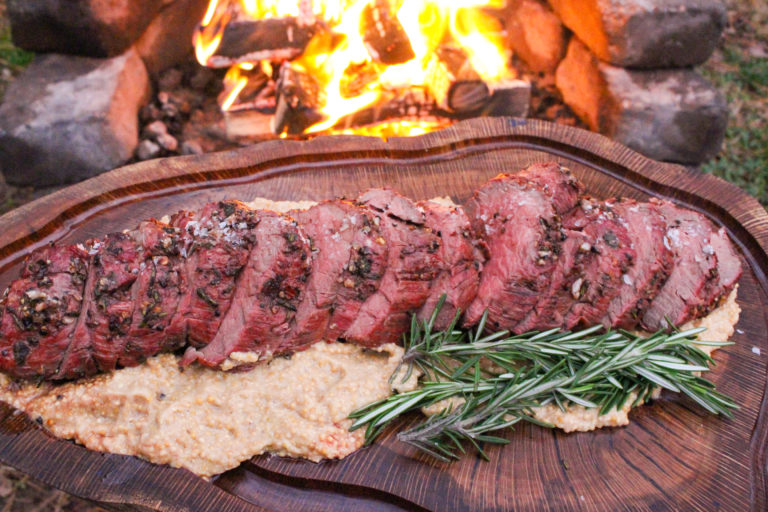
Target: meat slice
[611, 257]
[412, 263]
[694, 283]
[99, 335]
[363, 273]
[39, 311]
[347, 266]
[159, 289]
[553, 305]
[460, 263]
[556, 182]
[521, 228]
[728, 263]
[262, 316]
[215, 245]
[652, 265]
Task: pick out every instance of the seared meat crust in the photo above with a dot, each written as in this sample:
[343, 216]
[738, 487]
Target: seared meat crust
[233, 286]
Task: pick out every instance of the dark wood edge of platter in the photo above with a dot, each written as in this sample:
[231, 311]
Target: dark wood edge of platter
[50, 217]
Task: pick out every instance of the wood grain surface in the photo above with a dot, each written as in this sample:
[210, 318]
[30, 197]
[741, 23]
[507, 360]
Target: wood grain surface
[673, 456]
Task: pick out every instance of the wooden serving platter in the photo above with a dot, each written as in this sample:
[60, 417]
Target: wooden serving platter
[673, 456]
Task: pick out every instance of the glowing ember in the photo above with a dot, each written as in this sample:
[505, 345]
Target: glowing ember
[353, 60]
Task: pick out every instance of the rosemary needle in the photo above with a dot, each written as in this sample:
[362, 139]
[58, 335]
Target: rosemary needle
[498, 378]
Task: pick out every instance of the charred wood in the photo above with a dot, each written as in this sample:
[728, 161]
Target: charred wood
[274, 39]
[299, 100]
[299, 107]
[508, 98]
[383, 35]
[357, 77]
[454, 84]
[414, 104]
[250, 123]
[257, 87]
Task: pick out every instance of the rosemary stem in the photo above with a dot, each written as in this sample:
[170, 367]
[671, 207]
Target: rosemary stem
[499, 378]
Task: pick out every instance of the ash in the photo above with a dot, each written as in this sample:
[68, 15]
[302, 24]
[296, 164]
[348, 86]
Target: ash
[183, 116]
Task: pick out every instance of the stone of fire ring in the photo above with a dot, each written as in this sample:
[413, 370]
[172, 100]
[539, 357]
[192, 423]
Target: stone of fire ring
[68, 118]
[92, 28]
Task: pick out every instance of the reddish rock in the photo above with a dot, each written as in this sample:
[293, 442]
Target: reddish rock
[167, 41]
[92, 28]
[535, 34]
[672, 115]
[646, 33]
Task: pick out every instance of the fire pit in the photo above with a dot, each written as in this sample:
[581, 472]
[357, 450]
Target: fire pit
[117, 83]
[361, 66]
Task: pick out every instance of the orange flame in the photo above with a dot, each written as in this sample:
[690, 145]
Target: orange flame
[333, 55]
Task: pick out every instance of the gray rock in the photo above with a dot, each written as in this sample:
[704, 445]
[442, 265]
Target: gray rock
[168, 142]
[67, 118]
[191, 147]
[167, 41]
[646, 33]
[535, 34]
[93, 28]
[155, 129]
[671, 115]
[148, 150]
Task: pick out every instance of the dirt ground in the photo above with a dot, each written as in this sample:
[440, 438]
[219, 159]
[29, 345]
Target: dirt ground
[739, 68]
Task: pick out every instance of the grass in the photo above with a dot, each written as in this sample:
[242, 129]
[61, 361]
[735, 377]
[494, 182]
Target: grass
[739, 69]
[11, 58]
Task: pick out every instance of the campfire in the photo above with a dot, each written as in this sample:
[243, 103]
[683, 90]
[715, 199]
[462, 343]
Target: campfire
[383, 67]
[123, 82]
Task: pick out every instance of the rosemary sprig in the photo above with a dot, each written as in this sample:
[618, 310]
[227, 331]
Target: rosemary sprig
[499, 378]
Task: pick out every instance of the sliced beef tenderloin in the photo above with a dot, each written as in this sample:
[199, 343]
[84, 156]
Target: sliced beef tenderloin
[612, 256]
[556, 182]
[694, 283]
[728, 264]
[460, 263]
[159, 289]
[347, 266]
[215, 245]
[652, 265]
[39, 312]
[413, 261]
[553, 305]
[363, 273]
[100, 333]
[521, 228]
[270, 288]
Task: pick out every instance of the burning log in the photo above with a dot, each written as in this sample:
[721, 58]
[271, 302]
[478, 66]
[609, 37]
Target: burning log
[299, 99]
[383, 35]
[454, 84]
[251, 124]
[508, 98]
[250, 115]
[357, 77]
[412, 104]
[273, 39]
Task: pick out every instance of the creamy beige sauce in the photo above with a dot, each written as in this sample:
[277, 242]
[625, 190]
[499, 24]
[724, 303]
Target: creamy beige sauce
[719, 323]
[209, 421]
